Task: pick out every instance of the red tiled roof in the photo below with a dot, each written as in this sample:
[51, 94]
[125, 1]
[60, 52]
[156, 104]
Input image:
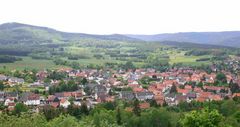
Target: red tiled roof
[183, 91]
[236, 95]
[215, 97]
[63, 100]
[55, 104]
[33, 97]
[201, 99]
[144, 105]
[138, 90]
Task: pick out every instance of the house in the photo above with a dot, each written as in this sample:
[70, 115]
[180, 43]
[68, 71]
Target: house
[159, 99]
[215, 97]
[15, 80]
[182, 91]
[11, 106]
[77, 103]
[55, 104]
[52, 99]
[41, 75]
[144, 96]
[11, 95]
[135, 90]
[144, 105]
[101, 97]
[126, 95]
[181, 81]
[8, 101]
[180, 98]
[191, 96]
[216, 89]
[170, 99]
[36, 84]
[100, 88]
[203, 96]
[30, 99]
[170, 96]
[236, 95]
[65, 95]
[64, 103]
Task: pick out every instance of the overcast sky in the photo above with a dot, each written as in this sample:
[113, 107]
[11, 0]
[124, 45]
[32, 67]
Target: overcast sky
[125, 16]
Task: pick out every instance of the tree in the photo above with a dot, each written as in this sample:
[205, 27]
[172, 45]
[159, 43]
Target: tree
[237, 116]
[64, 121]
[200, 84]
[173, 89]
[47, 80]
[74, 111]
[155, 118]
[234, 87]
[202, 118]
[2, 107]
[153, 103]
[50, 112]
[109, 105]
[110, 92]
[228, 108]
[84, 81]
[129, 65]
[19, 108]
[221, 77]
[118, 117]
[136, 107]
[84, 108]
[1, 85]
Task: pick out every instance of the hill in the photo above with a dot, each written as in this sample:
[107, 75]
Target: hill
[230, 38]
[11, 33]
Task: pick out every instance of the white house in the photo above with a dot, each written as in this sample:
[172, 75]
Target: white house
[64, 103]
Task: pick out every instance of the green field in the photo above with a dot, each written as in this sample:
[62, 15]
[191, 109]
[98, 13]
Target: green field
[29, 63]
[179, 57]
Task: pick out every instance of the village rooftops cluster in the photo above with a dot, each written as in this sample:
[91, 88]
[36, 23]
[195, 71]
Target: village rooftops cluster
[109, 85]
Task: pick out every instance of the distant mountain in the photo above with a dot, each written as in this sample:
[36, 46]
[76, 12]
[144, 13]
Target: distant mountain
[12, 33]
[193, 45]
[17, 33]
[230, 38]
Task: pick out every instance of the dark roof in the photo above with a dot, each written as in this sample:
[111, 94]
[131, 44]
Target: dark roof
[144, 93]
[172, 95]
[129, 95]
[191, 95]
[181, 98]
[11, 94]
[100, 88]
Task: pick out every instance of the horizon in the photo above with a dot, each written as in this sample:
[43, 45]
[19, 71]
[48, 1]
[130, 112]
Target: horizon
[120, 33]
[105, 17]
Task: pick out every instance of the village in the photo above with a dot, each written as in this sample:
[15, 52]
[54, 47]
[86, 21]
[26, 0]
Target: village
[98, 86]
